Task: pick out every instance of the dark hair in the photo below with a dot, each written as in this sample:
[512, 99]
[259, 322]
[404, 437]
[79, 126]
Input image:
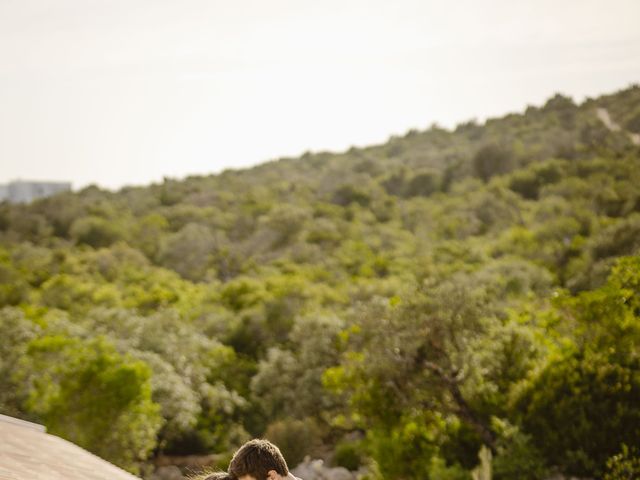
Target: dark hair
[257, 458]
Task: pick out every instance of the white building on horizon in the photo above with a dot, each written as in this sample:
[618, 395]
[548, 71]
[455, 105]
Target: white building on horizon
[24, 191]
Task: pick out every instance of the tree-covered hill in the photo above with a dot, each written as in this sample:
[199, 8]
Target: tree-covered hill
[397, 306]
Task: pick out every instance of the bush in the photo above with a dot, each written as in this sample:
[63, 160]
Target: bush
[624, 466]
[529, 182]
[188, 251]
[348, 194]
[633, 123]
[621, 238]
[13, 289]
[423, 184]
[348, 455]
[441, 471]
[580, 408]
[491, 160]
[95, 231]
[518, 458]
[295, 438]
[88, 393]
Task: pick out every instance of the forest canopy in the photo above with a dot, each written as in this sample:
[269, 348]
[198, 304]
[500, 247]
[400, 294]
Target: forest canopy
[400, 306]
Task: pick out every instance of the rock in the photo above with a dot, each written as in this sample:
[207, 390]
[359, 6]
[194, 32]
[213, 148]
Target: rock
[170, 472]
[316, 470]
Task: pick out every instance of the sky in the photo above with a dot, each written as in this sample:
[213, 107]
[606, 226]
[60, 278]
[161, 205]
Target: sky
[126, 92]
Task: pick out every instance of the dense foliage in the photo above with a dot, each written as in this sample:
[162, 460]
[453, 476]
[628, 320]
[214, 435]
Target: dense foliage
[398, 306]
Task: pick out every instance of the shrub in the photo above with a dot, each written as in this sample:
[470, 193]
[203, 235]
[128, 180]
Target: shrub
[529, 182]
[517, 458]
[95, 231]
[583, 398]
[295, 438]
[348, 455]
[491, 160]
[423, 184]
[624, 466]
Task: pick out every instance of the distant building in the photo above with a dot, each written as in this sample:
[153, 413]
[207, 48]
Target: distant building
[27, 452]
[20, 191]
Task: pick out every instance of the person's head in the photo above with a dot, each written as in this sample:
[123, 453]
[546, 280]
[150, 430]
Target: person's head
[258, 460]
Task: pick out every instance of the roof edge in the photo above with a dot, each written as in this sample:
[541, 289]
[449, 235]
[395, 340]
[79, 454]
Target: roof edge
[22, 423]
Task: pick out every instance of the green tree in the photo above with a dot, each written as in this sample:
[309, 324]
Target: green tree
[589, 389]
[16, 332]
[96, 231]
[188, 251]
[624, 466]
[289, 383]
[491, 160]
[89, 394]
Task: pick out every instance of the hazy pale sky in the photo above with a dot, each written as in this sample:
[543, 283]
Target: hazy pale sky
[121, 92]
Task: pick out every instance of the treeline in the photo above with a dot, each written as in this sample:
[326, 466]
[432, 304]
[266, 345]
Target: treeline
[399, 306]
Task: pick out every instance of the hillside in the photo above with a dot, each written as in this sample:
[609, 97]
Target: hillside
[396, 306]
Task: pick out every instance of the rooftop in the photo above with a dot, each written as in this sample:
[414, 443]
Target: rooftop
[27, 452]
